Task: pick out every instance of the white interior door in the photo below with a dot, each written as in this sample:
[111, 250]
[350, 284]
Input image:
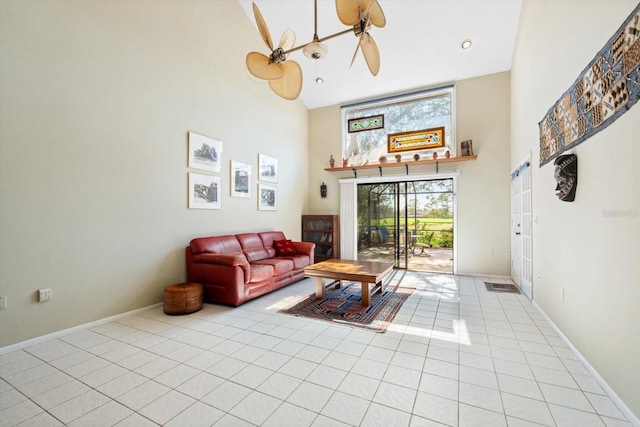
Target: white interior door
[521, 230]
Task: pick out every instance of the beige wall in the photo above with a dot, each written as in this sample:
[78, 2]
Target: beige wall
[97, 99]
[589, 248]
[483, 184]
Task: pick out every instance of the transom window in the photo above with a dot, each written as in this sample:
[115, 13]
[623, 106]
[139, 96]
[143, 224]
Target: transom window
[366, 140]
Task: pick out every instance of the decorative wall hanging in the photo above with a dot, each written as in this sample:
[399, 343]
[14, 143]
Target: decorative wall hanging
[267, 197]
[268, 167]
[204, 153]
[606, 89]
[204, 191]
[240, 179]
[566, 176]
[415, 140]
[365, 123]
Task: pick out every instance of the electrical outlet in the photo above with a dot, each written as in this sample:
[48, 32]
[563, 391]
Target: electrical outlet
[3, 303]
[44, 295]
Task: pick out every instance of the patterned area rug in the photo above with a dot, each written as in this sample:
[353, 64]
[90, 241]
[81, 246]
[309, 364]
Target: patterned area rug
[344, 306]
[501, 287]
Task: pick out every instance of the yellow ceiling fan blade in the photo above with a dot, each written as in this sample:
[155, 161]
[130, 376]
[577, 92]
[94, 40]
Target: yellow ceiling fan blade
[353, 58]
[348, 11]
[371, 53]
[290, 85]
[376, 15]
[288, 39]
[262, 27]
[261, 67]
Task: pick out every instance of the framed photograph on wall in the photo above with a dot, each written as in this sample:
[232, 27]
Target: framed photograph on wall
[240, 179]
[268, 167]
[204, 191]
[267, 197]
[205, 153]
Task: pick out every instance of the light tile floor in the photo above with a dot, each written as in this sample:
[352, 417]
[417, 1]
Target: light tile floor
[455, 355]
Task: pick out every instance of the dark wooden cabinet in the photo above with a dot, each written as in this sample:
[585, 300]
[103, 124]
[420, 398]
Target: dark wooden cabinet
[324, 231]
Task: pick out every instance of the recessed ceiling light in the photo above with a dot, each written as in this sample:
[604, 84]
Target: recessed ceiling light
[466, 44]
[319, 80]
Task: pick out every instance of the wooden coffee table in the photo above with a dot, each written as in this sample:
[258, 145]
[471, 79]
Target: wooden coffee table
[365, 272]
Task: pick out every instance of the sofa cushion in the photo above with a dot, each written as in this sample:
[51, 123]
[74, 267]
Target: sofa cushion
[252, 246]
[267, 240]
[284, 247]
[260, 272]
[280, 265]
[215, 245]
[299, 261]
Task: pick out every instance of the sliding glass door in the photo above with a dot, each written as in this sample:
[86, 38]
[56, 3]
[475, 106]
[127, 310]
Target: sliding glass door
[408, 223]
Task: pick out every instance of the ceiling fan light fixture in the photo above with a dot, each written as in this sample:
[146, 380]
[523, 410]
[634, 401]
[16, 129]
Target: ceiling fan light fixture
[315, 50]
[319, 80]
[466, 44]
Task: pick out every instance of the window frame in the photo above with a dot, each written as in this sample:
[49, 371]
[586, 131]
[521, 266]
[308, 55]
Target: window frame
[403, 98]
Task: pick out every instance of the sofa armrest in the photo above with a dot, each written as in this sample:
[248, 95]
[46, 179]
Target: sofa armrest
[226, 260]
[305, 248]
[223, 259]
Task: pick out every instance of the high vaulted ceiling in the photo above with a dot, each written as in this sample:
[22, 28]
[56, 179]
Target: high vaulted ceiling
[419, 47]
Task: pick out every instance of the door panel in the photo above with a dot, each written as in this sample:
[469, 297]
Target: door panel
[408, 223]
[521, 229]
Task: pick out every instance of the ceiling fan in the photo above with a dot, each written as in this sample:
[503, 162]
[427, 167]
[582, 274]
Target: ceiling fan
[285, 75]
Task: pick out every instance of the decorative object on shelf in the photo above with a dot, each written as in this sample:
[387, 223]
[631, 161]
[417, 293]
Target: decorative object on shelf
[285, 75]
[240, 179]
[416, 157]
[382, 159]
[267, 197]
[566, 176]
[398, 158]
[466, 147]
[603, 91]
[415, 140]
[345, 162]
[332, 161]
[323, 190]
[435, 155]
[365, 123]
[204, 191]
[204, 153]
[268, 167]
[447, 154]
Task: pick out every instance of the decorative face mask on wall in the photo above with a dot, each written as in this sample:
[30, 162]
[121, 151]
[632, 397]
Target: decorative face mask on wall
[566, 175]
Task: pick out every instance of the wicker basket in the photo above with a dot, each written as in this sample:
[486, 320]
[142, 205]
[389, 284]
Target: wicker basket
[183, 298]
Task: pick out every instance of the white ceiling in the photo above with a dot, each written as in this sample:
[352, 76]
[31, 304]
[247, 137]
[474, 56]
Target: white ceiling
[419, 46]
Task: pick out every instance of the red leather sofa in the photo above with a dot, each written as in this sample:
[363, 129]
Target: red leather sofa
[236, 268]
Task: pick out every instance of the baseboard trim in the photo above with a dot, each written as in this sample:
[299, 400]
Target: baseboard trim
[633, 419]
[63, 332]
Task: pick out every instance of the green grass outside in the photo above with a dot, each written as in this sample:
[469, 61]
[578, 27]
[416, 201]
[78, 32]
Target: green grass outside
[442, 229]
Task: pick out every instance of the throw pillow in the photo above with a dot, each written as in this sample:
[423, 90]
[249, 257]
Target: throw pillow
[284, 247]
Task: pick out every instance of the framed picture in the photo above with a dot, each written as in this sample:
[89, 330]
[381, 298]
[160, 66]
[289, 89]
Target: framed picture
[365, 123]
[267, 197]
[204, 191]
[268, 168]
[415, 140]
[204, 153]
[240, 179]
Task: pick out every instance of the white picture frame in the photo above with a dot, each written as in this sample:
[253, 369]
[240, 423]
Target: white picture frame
[204, 191]
[267, 168]
[267, 197]
[205, 153]
[240, 179]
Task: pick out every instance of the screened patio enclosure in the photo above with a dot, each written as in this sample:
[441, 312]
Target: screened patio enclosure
[408, 223]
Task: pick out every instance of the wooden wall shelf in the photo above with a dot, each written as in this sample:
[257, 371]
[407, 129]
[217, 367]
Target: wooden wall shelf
[394, 164]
